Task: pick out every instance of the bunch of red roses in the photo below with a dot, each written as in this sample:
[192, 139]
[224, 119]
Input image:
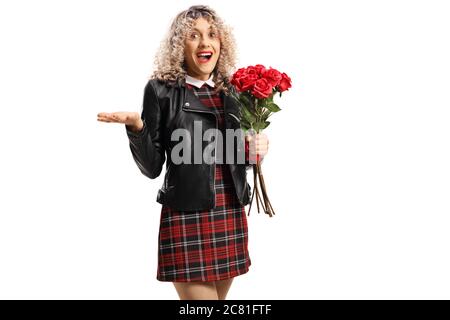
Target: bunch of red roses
[260, 82]
[256, 86]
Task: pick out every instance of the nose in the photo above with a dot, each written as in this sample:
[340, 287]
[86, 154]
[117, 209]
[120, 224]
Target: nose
[204, 42]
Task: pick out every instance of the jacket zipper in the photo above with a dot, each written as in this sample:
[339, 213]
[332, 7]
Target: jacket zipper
[215, 144]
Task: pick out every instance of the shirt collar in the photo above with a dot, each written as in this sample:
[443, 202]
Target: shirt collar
[199, 83]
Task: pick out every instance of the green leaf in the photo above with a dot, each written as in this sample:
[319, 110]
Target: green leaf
[273, 107]
[259, 126]
[266, 115]
[247, 115]
[244, 121]
[245, 124]
[245, 100]
[262, 103]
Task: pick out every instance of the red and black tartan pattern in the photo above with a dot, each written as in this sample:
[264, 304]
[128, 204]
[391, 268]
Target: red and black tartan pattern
[205, 245]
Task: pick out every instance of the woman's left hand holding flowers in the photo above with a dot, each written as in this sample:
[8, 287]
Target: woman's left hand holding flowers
[258, 145]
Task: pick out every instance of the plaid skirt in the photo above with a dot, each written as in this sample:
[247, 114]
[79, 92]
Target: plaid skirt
[206, 245]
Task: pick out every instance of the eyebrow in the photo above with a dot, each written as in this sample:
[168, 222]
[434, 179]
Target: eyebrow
[210, 27]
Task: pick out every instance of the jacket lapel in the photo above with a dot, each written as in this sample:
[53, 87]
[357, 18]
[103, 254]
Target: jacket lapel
[231, 108]
[192, 103]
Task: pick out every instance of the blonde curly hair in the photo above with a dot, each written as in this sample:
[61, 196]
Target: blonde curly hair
[169, 61]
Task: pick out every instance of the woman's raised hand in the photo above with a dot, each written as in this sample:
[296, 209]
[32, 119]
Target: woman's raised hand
[131, 119]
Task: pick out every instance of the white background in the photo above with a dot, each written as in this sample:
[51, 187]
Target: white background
[358, 166]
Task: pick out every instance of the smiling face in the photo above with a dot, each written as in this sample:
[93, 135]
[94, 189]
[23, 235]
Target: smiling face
[202, 49]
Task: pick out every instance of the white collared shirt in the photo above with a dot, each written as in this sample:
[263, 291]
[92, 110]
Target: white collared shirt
[199, 83]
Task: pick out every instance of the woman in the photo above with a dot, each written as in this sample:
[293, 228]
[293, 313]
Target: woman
[203, 236]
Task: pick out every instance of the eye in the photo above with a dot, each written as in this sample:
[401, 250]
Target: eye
[213, 34]
[193, 36]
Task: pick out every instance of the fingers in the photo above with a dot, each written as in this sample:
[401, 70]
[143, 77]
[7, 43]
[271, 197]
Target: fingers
[109, 117]
[259, 137]
[261, 150]
[104, 120]
[103, 114]
[258, 144]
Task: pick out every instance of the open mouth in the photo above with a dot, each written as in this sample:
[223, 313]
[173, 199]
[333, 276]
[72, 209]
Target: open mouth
[204, 56]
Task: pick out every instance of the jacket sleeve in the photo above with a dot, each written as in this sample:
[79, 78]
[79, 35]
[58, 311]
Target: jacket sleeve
[147, 146]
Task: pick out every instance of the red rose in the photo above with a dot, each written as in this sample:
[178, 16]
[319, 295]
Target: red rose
[285, 82]
[260, 69]
[262, 89]
[244, 79]
[273, 76]
[248, 81]
[236, 79]
[240, 73]
[253, 70]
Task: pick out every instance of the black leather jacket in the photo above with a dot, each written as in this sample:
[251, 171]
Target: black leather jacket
[167, 107]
